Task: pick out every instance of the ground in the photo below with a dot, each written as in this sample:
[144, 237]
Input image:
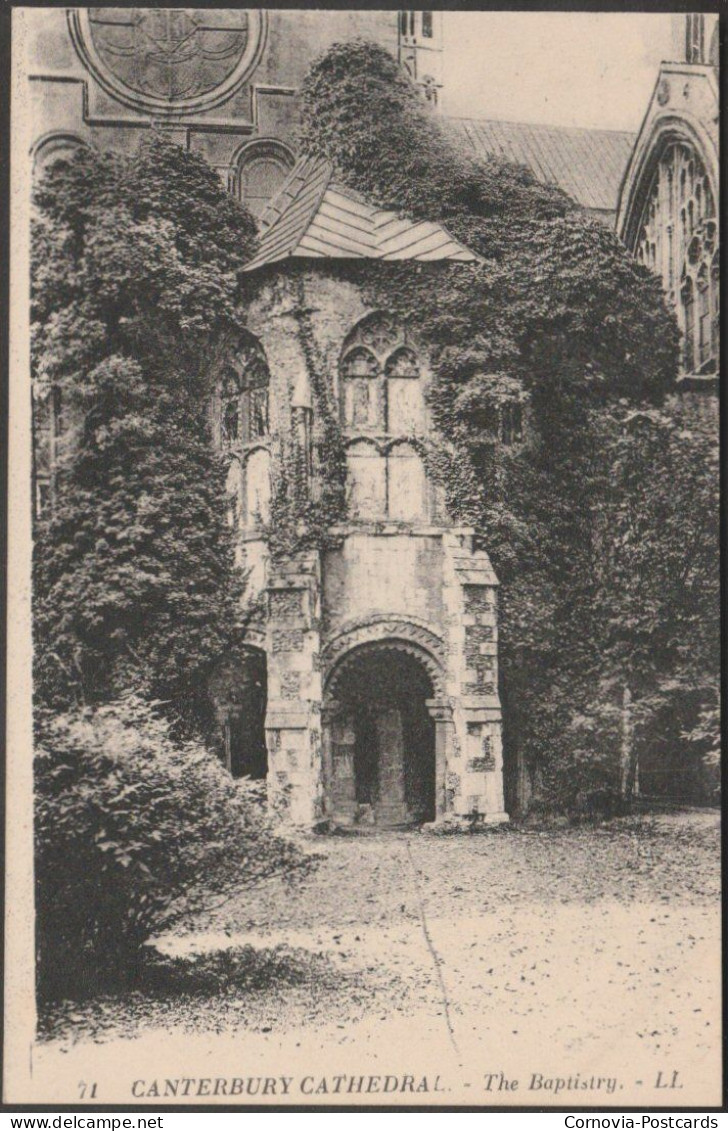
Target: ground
[589, 953]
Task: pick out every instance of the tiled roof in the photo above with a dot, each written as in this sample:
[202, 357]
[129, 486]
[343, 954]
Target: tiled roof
[313, 218]
[586, 164]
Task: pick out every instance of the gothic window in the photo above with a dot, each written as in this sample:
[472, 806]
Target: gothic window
[380, 386]
[262, 169]
[677, 239]
[427, 25]
[230, 411]
[257, 488]
[244, 395]
[361, 391]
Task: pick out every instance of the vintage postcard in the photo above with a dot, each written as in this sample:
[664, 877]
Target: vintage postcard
[364, 714]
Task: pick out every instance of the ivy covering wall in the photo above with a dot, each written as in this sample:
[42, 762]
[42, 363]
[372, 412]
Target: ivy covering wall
[602, 521]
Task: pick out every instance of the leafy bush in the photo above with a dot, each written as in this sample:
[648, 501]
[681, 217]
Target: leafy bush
[134, 831]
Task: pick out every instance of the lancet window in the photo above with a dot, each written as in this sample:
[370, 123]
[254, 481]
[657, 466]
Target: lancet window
[678, 240]
[243, 428]
[381, 390]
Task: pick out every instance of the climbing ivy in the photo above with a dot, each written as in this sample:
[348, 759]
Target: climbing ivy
[134, 295]
[557, 318]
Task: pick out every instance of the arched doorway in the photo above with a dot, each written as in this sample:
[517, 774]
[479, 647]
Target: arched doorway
[239, 688]
[380, 731]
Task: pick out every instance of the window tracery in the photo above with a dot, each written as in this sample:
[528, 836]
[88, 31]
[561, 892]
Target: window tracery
[678, 241]
[243, 429]
[244, 395]
[379, 371]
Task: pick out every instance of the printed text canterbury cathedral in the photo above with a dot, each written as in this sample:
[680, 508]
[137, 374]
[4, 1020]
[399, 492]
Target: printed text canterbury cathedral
[369, 693]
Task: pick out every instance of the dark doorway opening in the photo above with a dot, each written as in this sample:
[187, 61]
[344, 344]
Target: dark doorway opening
[247, 752]
[383, 753]
[239, 689]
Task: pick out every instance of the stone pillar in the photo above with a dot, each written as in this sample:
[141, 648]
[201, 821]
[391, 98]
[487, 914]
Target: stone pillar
[475, 768]
[441, 712]
[390, 807]
[339, 780]
[293, 717]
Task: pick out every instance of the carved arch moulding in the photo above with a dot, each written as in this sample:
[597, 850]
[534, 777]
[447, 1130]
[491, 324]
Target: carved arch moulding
[398, 634]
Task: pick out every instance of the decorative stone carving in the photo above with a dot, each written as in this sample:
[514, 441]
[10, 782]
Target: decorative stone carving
[167, 60]
[399, 635]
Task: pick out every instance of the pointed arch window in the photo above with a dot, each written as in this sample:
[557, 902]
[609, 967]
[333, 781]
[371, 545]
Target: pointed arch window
[677, 239]
[380, 387]
[244, 395]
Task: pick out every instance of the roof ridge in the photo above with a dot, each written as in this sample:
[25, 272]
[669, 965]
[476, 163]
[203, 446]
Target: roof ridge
[540, 125]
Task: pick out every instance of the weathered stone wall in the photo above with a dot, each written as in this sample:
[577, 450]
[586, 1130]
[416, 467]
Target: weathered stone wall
[66, 99]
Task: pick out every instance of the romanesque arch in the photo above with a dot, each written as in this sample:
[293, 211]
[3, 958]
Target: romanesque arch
[386, 725]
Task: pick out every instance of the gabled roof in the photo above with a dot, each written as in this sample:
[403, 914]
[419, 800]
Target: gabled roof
[586, 164]
[314, 218]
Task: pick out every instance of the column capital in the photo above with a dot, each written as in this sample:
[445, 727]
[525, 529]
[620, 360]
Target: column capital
[439, 710]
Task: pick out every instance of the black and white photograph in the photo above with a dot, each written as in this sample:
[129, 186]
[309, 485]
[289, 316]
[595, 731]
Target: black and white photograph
[364, 559]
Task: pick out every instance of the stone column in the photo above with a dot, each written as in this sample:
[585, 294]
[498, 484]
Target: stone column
[441, 712]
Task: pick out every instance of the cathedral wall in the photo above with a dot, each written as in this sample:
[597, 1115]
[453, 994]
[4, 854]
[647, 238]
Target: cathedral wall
[374, 574]
[68, 102]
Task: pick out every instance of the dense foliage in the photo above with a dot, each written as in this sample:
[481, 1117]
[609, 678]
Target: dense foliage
[134, 294]
[134, 830]
[602, 521]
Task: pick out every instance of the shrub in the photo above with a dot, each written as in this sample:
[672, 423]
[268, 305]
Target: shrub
[134, 831]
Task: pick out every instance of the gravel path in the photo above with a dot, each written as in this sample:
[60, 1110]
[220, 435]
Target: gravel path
[589, 953]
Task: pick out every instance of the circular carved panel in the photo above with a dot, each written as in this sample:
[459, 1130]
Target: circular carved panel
[169, 59]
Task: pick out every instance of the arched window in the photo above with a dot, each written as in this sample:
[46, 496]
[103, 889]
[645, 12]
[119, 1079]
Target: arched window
[230, 407]
[367, 481]
[677, 239]
[404, 394]
[244, 395]
[257, 488]
[406, 484]
[380, 386]
[262, 168]
[55, 147]
[360, 388]
[427, 25]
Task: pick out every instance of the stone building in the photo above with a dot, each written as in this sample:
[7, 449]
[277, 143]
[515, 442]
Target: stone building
[368, 689]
